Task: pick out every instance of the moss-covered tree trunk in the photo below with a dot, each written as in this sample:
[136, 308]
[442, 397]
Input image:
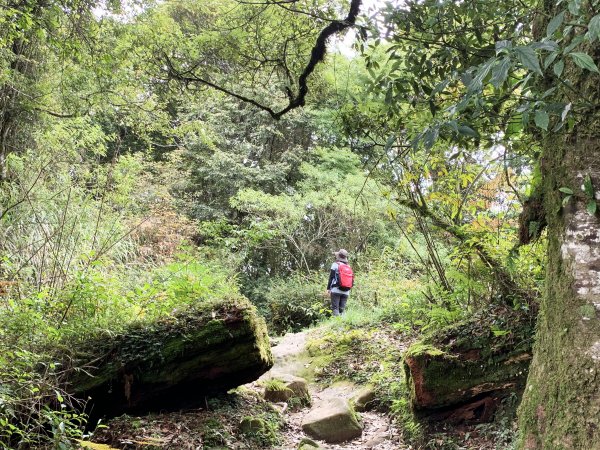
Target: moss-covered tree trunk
[561, 405]
[173, 363]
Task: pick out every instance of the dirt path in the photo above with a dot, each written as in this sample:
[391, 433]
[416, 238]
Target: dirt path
[292, 358]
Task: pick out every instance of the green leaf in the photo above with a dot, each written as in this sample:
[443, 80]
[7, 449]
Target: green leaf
[550, 59]
[588, 187]
[547, 45]
[574, 7]
[575, 42]
[566, 190]
[592, 207]
[559, 67]
[503, 46]
[554, 24]
[542, 119]
[594, 28]
[390, 141]
[529, 59]
[440, 87]
[565, 111]
[500, 72]
[566, 200]
[534, 228]
[584, 61]
[430, 137]
[468, 131]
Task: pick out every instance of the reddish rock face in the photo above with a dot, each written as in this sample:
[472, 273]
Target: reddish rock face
[465, 373]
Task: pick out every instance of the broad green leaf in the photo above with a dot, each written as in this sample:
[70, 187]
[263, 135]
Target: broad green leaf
[559, 67]
[566, 200]
[467, 131]
[546, 44]
[430, 137]
[529, 59]
[554, 24]
[584, 61]
[482, 72]
[503, 46]
[548, 92]
[566, 190]
[500, 72]
[592, 207]
[440, 87]
[542, 119]
[594, 28]
[432, 108]
[550, 59]
[574, 7]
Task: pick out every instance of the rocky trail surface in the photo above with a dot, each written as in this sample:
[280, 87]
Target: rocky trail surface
[292, 359]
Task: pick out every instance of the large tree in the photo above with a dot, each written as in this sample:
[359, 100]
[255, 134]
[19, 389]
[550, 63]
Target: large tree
[525, 72]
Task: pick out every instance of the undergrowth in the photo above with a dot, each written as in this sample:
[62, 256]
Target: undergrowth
[222, 423]
[359, 347]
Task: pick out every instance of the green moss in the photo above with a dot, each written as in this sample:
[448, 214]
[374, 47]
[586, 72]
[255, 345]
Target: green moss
[587, 311]
[163, 352]
[560, 407]
[460, 361]
[262, 430]
[420, 348]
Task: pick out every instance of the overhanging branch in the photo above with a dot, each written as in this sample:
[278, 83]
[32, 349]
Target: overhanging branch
[295, 100]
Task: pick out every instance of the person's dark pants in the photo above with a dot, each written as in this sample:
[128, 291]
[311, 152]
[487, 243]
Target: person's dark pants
[338, 303]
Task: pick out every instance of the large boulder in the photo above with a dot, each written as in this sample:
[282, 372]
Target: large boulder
[332, 421]
[462, 372]
[174, 362]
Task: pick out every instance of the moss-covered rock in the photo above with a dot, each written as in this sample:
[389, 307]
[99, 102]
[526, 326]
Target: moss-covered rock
[253, 425]
[309, 444]
[174, 362]
[459, 367]
[332, 421]
[365, 399]
[287, 388]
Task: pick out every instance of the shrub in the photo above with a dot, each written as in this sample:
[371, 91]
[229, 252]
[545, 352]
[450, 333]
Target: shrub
[34, 411]
[295, 302]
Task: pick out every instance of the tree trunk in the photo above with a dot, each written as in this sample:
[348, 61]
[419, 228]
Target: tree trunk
[173, 363]
[561, 404]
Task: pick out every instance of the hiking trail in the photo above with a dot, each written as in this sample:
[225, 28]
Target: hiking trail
[291, 357]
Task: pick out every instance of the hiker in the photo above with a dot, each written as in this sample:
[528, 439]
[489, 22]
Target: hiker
[340, 282]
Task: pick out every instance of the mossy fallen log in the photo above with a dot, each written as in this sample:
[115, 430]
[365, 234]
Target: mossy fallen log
[460, 373]
[174, 362]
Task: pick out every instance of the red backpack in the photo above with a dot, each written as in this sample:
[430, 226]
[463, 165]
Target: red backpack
[346, 276]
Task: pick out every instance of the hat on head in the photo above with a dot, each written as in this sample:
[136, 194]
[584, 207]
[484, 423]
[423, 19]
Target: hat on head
[341, 255]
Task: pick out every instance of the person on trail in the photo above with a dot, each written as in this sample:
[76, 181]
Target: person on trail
[341, 279]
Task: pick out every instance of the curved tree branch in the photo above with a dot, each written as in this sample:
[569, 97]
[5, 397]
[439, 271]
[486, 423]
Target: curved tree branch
[294, 101]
